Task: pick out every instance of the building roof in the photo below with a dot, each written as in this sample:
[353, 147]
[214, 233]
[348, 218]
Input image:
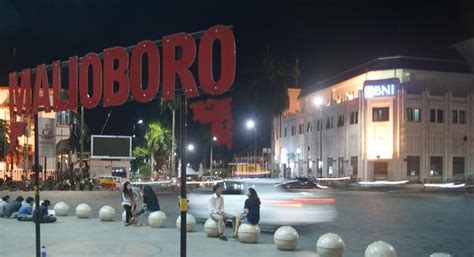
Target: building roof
[392, 62]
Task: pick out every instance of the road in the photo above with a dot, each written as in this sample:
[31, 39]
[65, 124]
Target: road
[416, 224]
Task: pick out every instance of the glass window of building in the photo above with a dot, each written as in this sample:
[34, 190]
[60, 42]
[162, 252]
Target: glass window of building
[309, 128]
[462, 117]
[439, 116]
[354, 119]
[340, 120]
[417, 114]
[292, 130]
[455, 117]
[380, 114]
[410, 114]
[458, 165]
[436, 166]
[432, 115]
[63, 118]
[285, 133]
[328, 123]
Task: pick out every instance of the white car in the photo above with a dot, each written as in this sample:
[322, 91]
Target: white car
[279, 206]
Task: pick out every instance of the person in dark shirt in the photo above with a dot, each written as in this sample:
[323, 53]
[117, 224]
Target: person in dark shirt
[150, 201]
[44, 216]
[251, 214]
[11, 210]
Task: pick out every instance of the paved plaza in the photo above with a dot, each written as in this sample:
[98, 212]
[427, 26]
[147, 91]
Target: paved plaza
[416, 224]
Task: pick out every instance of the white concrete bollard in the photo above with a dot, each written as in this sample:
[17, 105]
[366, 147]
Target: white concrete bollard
[380, 249]
[83, 211]
[61, 209]
[210, 227]
[286, 238]
[441, 255]
[330, 245]
[248, 233]
[190, 222]
[157, 219]
[107, 213]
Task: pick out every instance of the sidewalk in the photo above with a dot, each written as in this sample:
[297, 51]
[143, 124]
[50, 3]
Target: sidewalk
[70, 237]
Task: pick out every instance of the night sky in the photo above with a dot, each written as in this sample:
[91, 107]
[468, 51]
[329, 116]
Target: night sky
[326, 36]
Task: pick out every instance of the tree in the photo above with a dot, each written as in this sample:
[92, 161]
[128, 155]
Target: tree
[171, 105]
[157, 146]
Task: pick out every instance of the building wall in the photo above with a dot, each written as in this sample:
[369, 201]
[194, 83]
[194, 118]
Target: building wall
[395, 142]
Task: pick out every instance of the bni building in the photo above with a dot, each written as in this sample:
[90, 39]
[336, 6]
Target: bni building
[394, 118]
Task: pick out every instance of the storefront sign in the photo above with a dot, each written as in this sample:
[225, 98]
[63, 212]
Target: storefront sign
[380, 88]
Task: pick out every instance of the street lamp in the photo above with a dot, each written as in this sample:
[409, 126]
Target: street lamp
[318, 102]
[190, 147]
[251, 125]
[214, 139]
[139, 122]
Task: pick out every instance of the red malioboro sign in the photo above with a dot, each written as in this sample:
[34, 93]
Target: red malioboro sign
[115, 74]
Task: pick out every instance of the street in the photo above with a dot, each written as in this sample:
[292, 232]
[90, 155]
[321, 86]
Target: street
[415, 224]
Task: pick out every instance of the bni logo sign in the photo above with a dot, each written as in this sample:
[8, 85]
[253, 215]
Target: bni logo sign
[380, 88]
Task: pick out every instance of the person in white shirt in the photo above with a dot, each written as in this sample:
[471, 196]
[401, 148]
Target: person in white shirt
[217, 213]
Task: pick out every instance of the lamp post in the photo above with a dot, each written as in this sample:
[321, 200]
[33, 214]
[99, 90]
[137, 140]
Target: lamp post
[214, 139]
[318, 102]
[251, 125]
[139, 122]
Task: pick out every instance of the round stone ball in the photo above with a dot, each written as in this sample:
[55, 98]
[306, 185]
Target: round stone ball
[380, 249]
[83, 211]
[157, 219]
[248, 233]
[441, 255]
[210, 227]
[286, 238]
[107, 213]
[330, 245]
[61, 209]
[190, 222]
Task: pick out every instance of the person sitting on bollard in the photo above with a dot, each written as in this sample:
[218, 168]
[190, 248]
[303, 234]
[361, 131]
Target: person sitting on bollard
[26, 210]
[150, 201]
[251, 214]
[217, 213]
[129, 197]
[44, 215]
[11, 210]
[3, 203]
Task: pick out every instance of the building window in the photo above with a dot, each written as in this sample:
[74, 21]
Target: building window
[292, 130]
[413, 166]
[63, 118]
[340, 121]
[285, 133]
[458, 165]
[380, 114]
[309, 127]
[439, 116]
[414, 114]
[300, 128]
[330, 123]
[462, 117]
[354, 118]
[436, 115]
[436, 166]
[455, 117]
[354, 164]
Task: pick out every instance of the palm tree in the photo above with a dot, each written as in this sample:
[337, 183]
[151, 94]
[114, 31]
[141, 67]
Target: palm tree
[157, 145]
[172, 105]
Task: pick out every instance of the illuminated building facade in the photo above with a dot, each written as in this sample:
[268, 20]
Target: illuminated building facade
[394, 118]
[54, 129]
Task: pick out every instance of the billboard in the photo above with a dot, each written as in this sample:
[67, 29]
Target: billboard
[111, 147]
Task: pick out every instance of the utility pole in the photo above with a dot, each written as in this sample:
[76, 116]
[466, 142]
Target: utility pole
[81, 142]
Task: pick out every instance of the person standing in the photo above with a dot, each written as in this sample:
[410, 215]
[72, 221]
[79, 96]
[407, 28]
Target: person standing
[251, 213]
[129, 197]
[25, 213]
[217, 212]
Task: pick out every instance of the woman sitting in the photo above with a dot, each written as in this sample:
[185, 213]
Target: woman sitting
[251, 214]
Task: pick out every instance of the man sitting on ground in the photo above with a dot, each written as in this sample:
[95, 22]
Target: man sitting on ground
[44, 216]
[11, 210]
[4, 202]
[217, 213]
[26, 210]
